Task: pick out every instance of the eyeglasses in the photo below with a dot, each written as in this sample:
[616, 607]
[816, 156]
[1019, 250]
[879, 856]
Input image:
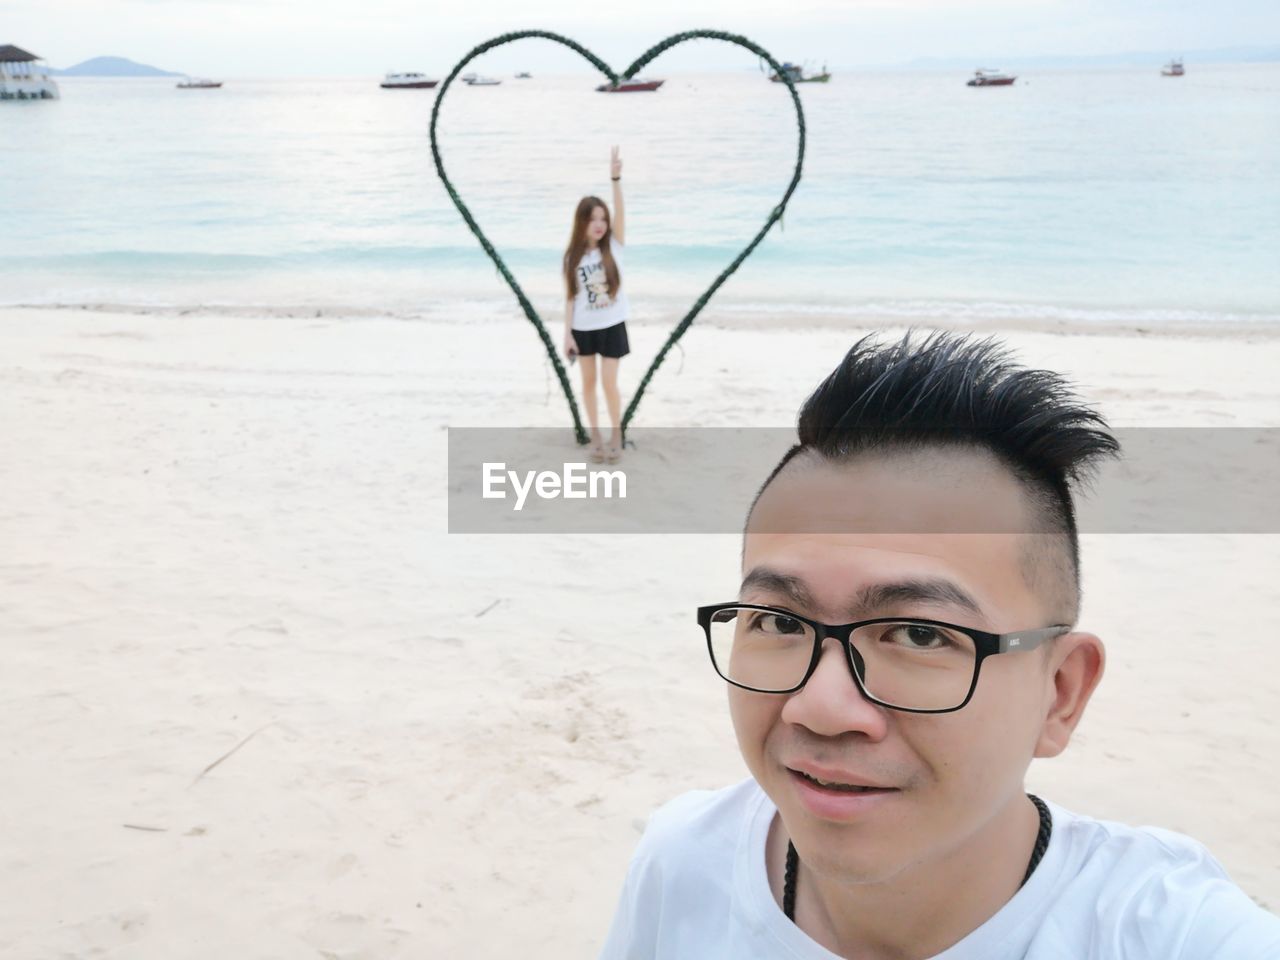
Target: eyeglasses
[919, 666]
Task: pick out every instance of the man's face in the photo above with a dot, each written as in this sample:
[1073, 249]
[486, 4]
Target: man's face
[954, 774]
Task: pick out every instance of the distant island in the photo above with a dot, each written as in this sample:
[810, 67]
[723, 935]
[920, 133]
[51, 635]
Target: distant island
[113, 67]
[1256, 54]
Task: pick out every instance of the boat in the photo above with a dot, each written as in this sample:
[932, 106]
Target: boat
[1173, 68]
[407, 81]
[24, 76]
[795, 73]
[198, 83]
[991, 78]
[522, 75]
[635, 85]
[478, 81]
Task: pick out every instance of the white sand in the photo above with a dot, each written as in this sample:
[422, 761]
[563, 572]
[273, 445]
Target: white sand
[221, 527]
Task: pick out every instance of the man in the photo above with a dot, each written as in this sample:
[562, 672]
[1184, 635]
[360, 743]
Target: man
[902, 646]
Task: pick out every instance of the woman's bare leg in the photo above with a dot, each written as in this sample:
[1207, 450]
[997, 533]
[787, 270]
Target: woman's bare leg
[588, 364]
[612, 399]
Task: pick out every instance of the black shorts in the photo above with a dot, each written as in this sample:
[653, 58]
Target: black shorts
[609, 342]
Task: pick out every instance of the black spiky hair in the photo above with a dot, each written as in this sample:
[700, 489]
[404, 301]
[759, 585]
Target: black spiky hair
[951, 389]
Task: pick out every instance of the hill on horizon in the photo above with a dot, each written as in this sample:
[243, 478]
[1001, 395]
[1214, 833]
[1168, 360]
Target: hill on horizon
[113, 67]
[1254, 54]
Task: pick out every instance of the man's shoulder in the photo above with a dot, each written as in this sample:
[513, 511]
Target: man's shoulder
[1108, 845]
[678, 897]
[700, 820]
[1155, 884]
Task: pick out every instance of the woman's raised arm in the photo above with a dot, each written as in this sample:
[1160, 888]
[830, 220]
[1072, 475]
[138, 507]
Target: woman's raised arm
[618, 226]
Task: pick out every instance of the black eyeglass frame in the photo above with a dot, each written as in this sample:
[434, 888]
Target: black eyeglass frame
[985, 645]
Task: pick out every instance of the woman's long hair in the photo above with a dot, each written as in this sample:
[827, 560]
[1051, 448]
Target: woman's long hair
[578, 246]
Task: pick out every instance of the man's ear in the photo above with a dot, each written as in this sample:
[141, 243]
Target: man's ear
[1076, 663]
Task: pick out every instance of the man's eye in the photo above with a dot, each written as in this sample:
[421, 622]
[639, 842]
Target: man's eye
[776, 623]
[915, 636]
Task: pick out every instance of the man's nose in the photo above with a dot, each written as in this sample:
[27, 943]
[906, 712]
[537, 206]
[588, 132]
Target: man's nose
[831, 703]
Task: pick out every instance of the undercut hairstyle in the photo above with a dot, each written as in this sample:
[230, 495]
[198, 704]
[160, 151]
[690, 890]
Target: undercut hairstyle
[961, 391]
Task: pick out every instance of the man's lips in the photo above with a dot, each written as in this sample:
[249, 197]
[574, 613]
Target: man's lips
[844, 781]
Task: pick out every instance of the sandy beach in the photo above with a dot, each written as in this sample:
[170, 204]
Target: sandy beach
[259, 703]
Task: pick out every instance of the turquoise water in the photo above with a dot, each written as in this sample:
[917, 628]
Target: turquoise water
[1108, 194]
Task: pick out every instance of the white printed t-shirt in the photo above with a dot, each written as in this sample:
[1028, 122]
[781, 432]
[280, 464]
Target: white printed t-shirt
[592, 307]
[697, 890]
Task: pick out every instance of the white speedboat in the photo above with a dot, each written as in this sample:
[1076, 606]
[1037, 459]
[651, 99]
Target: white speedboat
[407, 81]
[199, 83]
[475, 80]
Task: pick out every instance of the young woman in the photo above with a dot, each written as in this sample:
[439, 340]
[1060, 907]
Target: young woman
[596, 307]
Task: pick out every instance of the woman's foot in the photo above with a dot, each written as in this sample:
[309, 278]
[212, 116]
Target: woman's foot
[597, 452]
[613, 454]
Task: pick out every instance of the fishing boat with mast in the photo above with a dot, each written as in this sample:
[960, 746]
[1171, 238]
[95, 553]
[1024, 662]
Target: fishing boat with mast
[1173, 68]
[795, 72]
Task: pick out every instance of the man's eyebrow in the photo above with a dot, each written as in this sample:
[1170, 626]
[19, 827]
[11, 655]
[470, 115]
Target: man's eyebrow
[771, 581]
[870, 600]
[933, 591]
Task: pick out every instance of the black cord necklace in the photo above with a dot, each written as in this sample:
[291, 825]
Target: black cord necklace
[1037, 853]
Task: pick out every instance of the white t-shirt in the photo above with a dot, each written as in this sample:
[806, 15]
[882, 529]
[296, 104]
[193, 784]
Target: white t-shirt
[592, 307]
[697, 890]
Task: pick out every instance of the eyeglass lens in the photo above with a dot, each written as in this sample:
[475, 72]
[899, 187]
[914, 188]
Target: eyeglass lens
[905, 663]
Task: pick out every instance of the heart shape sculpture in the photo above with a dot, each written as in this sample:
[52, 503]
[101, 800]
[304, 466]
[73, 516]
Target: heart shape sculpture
[647, 57]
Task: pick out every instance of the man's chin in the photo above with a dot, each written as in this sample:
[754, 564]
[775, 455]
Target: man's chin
[858, 840]
[844, 857]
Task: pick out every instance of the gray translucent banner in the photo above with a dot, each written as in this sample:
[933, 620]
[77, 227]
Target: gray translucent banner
[702, 480]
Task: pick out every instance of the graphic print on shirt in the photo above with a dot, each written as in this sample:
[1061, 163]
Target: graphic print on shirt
[596, 283]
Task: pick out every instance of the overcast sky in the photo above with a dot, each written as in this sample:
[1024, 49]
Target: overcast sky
[353, 37]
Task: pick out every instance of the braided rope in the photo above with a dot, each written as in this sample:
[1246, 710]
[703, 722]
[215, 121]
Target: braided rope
[1042, 836]
[789, 882]
[648, 56]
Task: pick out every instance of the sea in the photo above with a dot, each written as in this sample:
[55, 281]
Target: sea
[1085, 195]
